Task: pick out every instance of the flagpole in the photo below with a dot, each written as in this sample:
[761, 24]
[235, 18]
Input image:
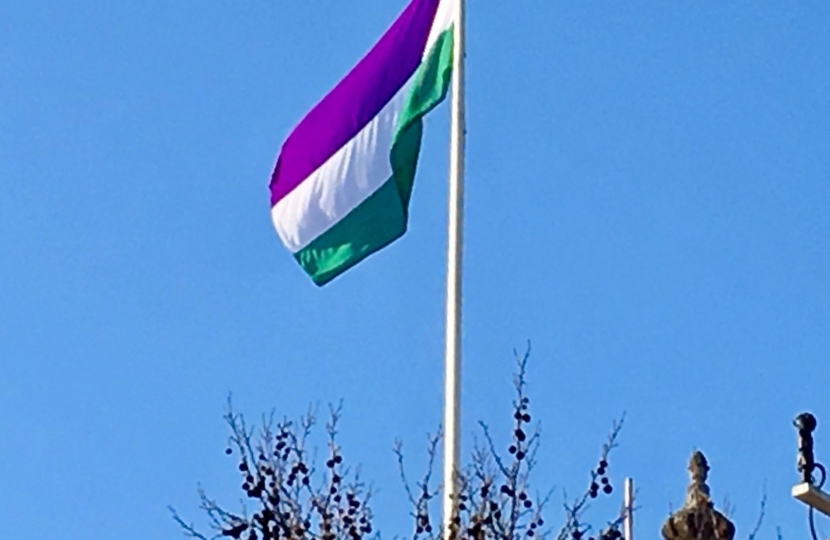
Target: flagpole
[452, 354]
[628, 502]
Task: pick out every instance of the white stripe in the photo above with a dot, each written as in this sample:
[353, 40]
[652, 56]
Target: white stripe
[347, 179]
[444, 18]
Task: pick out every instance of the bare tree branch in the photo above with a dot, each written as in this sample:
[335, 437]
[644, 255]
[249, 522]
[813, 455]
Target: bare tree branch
[495, 501]
[761, 515]
[277, 470]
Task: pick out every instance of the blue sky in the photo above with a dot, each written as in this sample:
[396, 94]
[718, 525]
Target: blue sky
[647, 201]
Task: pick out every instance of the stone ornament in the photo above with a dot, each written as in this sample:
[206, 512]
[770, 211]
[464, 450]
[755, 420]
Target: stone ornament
[698, 519]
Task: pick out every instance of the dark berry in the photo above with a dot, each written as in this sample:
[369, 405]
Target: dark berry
[228, 451]
[608, 489]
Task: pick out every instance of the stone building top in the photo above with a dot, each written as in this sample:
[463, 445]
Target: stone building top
[698, 519]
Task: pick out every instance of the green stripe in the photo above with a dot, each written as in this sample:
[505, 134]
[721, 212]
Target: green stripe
[375, 223]
[381, 219]
[430, 88]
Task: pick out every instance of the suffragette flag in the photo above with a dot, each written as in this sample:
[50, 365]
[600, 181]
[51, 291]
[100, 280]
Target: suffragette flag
[340, 190]
[341, 186]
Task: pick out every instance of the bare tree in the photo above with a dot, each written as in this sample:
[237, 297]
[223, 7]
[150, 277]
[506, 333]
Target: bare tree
[495, 500]
[277, 478]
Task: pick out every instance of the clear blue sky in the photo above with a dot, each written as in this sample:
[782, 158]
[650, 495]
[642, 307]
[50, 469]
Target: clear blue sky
[647, 201]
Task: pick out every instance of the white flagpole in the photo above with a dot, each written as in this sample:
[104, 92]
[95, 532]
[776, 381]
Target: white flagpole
[452, 355]
[628, 501]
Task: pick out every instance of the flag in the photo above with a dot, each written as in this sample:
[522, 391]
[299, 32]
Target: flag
[340, 189]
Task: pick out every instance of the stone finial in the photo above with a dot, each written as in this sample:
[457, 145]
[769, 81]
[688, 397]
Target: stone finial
[698, 519]
[697, 494]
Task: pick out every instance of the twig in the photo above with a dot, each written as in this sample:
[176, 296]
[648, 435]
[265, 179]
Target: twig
[760, 521]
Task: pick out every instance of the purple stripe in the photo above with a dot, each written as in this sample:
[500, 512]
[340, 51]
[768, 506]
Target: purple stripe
[356, 100]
